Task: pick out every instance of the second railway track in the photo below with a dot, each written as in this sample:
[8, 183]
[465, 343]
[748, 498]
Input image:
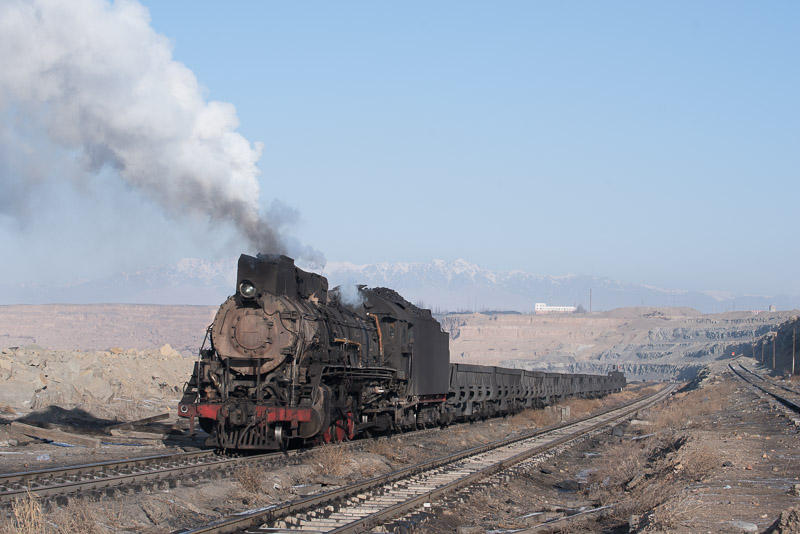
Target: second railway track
[788, 397]
[366, 504]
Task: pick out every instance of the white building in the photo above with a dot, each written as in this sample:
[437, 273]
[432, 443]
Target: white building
[542, 307]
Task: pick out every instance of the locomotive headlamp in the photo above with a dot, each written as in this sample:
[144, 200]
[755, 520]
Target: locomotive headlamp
[247, 289]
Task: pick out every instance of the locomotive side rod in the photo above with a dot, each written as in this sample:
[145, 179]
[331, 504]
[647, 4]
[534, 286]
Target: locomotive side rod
[243, 521]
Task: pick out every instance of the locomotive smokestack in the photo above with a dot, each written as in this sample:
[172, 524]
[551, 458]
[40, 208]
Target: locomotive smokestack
[95, 79]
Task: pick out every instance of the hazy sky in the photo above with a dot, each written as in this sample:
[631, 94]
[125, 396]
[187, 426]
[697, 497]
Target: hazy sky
[648, 142]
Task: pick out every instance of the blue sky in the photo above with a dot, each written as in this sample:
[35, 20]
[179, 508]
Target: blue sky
[647, 142]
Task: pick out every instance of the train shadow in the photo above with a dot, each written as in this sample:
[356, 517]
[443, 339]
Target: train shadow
[75, 419]
[80, 422]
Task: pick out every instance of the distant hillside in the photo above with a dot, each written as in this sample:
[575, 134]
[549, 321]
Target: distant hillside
[646, 343]
[441, 285]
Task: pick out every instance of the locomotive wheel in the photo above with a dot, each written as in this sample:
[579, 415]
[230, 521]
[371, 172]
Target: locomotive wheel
[280, 439]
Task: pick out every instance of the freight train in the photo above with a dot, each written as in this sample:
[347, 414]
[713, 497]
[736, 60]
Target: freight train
[289, 361]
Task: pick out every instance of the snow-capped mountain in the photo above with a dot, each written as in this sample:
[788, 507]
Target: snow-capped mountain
[440, 285]
[460, 285]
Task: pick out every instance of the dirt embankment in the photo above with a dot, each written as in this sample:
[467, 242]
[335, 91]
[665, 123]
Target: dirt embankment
[114, 384]
[646, 343]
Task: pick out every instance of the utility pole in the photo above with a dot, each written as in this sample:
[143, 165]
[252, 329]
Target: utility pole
[762, 352]
[794, 335]
[774, 341]
[590, 300]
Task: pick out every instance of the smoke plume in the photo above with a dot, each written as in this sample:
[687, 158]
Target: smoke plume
[101, 83]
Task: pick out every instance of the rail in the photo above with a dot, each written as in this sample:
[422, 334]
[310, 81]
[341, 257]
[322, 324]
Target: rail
[112, 474]
[770, 381]
[767, 386]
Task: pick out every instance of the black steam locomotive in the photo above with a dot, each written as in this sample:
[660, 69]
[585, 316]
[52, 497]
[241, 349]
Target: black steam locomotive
[291, 361]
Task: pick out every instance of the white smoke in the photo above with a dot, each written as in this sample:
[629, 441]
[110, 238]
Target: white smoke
[350, 294]
[99, 81]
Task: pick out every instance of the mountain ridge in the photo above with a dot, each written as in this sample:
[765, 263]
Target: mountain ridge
[457, 285]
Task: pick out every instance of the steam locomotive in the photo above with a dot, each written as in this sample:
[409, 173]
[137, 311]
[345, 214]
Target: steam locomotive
[290, 361]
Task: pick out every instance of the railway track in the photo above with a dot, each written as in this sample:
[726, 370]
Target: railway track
[95, 479]
[108, 476]
[767, 380]
[376, 501]
[787, 397]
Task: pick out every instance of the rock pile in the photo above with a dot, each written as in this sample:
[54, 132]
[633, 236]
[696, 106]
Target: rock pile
[114, 384]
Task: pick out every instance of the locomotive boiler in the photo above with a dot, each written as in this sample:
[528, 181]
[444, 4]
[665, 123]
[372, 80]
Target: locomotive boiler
[289, 360]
